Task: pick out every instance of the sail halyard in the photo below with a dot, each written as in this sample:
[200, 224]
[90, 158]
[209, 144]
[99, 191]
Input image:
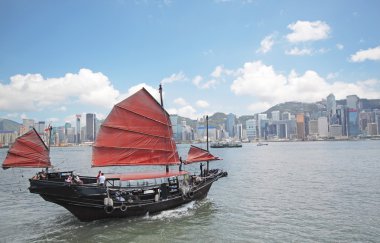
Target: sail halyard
[136, 132]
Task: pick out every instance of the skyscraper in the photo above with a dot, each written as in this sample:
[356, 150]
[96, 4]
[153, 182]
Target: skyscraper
[230, 124]
[331, 109]
[300, 118]
[77, 137]
[90, 127]
[352, 102]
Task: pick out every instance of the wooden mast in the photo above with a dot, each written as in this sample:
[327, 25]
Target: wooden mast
[162, 105]
[207, 141]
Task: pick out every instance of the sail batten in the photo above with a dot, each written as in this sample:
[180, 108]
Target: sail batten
[137, 131]
[28, 151]
[164, 123]
[128, 130]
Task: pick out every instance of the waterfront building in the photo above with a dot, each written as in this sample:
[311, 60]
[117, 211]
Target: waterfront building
[239, 131]
[230, 124]
[335, 130]
[331, 109]
[7, 138]
[27, 124]
[177, 131]
[251, 129]
[300, 119]
[201, 132]
[341, 116]
[263, 125]
[372, 129]
[377, 120]
[78, 130]
[352, 123]
[70, 134]
[323, 130]
[90, 127]
[40, 127]
[313, 127]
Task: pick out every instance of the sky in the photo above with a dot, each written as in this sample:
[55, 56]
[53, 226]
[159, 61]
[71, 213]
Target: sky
[62, 58]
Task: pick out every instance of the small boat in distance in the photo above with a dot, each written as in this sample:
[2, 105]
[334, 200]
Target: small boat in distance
[137, 132]
[226, 144]
[261, 144]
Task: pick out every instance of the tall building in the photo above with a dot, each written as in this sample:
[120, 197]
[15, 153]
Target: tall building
[230, 124]
[313, 127]
[40, 128]
[177, 132]
[78, 131]
[372, 129]
[90, 127]
[352, 122]
[341, 116]
[335, 130]
[323, 130]
[251, 129]
[239, 131]
[331, 109]
[27, 124]
[300, 119]
[262, 125]
[352, 102]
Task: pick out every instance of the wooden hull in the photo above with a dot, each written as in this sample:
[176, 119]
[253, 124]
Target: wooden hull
[87, 201]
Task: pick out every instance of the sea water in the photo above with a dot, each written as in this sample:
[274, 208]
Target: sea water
[284, 192]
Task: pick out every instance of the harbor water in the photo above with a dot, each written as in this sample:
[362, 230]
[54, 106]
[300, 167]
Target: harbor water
[284, 192]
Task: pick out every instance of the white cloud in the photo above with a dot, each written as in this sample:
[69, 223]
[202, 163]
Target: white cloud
[340, 46]
[269, 87]
[174, 77]
[308, 31]
[198, 81]
[180, 101]
[266, 44]
[185, 111]
[299, 52]
[369, 54]
[202, 104]
[154, 92]
[32, 92]
[217, 73]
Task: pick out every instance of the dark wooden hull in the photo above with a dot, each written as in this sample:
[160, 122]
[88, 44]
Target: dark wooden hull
[86, 202]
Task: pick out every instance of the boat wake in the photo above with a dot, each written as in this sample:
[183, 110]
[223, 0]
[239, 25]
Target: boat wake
[182, 211]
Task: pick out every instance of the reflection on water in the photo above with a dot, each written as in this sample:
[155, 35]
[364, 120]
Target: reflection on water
[306, 191]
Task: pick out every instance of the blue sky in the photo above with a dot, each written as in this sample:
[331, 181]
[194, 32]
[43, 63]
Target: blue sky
[61, 58]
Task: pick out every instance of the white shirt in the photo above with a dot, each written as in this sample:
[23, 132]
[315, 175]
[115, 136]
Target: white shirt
[102, 179]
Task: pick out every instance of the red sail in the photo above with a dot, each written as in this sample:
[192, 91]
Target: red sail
[28, 151]
[197, 155]
[136, 132]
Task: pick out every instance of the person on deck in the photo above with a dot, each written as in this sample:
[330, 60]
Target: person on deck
[101, 179]
[99, 173]
[201, 167]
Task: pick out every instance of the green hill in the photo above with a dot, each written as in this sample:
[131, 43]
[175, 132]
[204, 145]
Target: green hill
[9, 125]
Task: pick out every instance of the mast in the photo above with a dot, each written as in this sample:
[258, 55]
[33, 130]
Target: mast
[162, 105]
[207, 140]
[49, 141]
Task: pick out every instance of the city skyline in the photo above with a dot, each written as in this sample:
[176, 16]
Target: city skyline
[238, 56]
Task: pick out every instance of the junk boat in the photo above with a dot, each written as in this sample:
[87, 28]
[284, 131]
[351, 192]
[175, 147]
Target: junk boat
[137, 132]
